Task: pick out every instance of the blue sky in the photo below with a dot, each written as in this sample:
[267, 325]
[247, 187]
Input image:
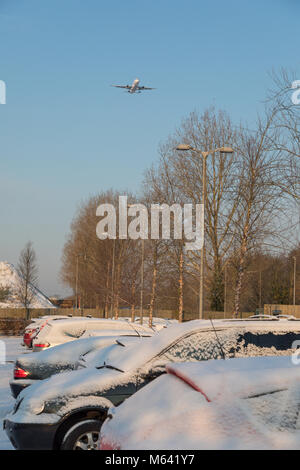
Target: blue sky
[65, 134]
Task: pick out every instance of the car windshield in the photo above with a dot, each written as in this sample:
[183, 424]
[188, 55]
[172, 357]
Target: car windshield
[138, 352]
[202, 345]
[99, 358]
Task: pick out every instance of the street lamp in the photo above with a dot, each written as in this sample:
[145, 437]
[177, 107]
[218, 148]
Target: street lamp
[112, 303]
[294, 290]
[204, 155]
[142, 282]
[142, 276]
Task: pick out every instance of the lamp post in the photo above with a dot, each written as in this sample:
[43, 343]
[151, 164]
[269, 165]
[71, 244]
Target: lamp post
[142, 275]
[76, 284]
[294, 291]
[113, 279]
[142, 282]
[204, 155]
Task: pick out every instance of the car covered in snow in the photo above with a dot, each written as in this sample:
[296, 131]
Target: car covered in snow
[67, 410]
[240, 403]
[36, 325]
[65, 330]
[32, 367]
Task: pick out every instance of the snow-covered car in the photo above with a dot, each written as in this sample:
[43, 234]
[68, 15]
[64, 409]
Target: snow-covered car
[66, 411]
[32, 367]
[65, 330]
[36, 325]
[242, 403]
[29, 333]
[157, 322]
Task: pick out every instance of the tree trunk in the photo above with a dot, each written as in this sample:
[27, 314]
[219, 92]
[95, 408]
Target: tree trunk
[133, 302]
[116, 309]
[180, 309]
[107, 293]
[154, 276]
[240, 275]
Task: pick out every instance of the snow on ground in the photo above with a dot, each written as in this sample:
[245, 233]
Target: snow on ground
[13, 349]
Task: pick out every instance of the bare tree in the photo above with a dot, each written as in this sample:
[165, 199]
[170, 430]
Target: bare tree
[178, 178]
[162, 188]
[97, 268]
[4, 293]
[261, 198]
[206, 132]
[246, 197]
[283, 102]
[28, 277]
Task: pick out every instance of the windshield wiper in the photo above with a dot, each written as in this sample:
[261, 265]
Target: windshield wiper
[107, 366]
[137, 332]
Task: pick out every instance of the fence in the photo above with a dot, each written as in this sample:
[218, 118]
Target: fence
[19, 313]
[285, 309]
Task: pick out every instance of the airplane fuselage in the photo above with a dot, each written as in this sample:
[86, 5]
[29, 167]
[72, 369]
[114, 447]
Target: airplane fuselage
[134, 86]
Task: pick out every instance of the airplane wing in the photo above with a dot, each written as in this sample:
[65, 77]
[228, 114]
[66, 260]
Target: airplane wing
[145, 88]
[122, 86]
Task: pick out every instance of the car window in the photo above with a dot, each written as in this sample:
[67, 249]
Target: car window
[279, 340]
[75, 331]
[235, 343]
[196, 347]
[45, 330]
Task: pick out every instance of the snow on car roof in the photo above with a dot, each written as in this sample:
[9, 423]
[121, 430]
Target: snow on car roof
[103, 322]
[114, 332]
[56, 332]
[241, 376]
[137, 355]
[40, 320]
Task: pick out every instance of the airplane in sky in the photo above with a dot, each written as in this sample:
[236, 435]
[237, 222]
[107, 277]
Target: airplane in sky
[134, 88]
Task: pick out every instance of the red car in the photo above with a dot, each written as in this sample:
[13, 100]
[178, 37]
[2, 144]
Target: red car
[37, 325]
[30, 332]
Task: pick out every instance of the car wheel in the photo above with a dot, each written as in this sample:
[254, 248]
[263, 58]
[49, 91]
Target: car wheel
[82, 436]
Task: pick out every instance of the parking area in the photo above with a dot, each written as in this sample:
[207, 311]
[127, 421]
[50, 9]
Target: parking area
[13, 349]
[83, 393]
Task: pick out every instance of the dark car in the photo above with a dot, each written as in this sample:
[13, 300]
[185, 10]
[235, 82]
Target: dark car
[29, 368]
[66, 411]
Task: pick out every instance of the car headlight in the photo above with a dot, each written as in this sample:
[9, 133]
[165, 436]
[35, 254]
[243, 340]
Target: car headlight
[37, 408]
[33, 407]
